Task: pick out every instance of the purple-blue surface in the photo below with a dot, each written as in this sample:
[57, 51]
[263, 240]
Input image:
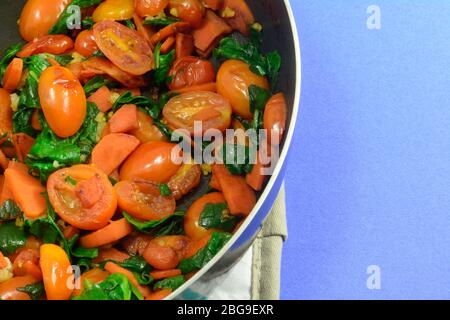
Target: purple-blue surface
[369, 173]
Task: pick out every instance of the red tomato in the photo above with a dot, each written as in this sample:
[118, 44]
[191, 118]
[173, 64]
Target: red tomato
[185, 180]
[147, 131]
[82, 196]
[165, 253]
[143, 200]
[13, 75]
[38, 16]
[8, 289]
[190, 71]
[27, 263]
[53, 44]
[85, 43]
[275, 118]
[191, 11]
[213, 110]
[150, 8]
[57, 272]
[151, 161]
[63, 101]
[126, 48]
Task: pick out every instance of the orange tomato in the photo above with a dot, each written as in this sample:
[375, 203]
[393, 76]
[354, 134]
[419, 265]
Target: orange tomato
[114, 10]
[94, 276]
[213, 110]
[53, 44]
[191, 11]
[165, 253]
[147, 131]
[85, 43]
[233, 79]
[151, 161]
[190, 71]
[57, 272]
[38, 16]
[150, 8]
[13, 75]
[8, 289]
[63, 101]
[82, 196]
[275, 118]
[186, 179]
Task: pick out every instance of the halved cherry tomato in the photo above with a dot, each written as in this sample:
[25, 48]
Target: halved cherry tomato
[57, 272]
[63, 101]
[114, 10]
[38, 16]
[13, 74]
[233, 79]
[191, 227]
[143, 200]
[150, 8]
[8, 289]
[126, 48]
[242, 17]
[53, 44]
[85, 43]
[151, 161]
[147, 131]
[145, 31]
[135, 244]
[190, 71]
[27, 263]
[213, 110]
[275, 118]
[191, 11]
[165, 253]
[87, 205]
[186, 179]
[94, 276]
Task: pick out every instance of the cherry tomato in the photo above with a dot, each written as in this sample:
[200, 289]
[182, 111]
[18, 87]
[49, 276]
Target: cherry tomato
[82, 196]
[213, 110]
[57, 272]
[114, 10]
[147, 131]
[8, 289]
[191, 11]
[196, 245]
[190, 71]
[94, 276]
[63, 101]
[5, 112]
[53, 44]
[126, 48]
[150, 8]
[191, 227]
[186, 179]
[85, 43]
[136, 244]
[27, 263]
[38, 16]
[151, 161]
[13, 75]
[233, 79]
[275, 118]
[143, 200]
[165, 253]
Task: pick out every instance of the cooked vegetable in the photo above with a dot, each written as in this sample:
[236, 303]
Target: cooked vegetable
[11, 238]
[114, 10]
[124, 120]
[191, 11]
[85, 43]
[150, 8]
[13, 74]
[162, 65]
[57, 270]
[8, 56]
[236, 158]
[241, 18]
[116, 269]
[184, 45]
[172, 283]
[210, 31]
[101, 98]
[162, 274]
[164, 253]
[9, 289]
[59, 26]
[52, 44]
[171, 225]
[216, 216]
[114, 231]
[275, 114]
[35, 291]
[9, 210]
[189, 71]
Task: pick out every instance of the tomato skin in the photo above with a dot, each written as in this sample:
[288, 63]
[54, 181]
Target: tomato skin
[233, 79]
[165, 253]
[114, 10]
[191, 11]
[85, 43]
[213, 110]
[63, 101]
[27, 263]
[57, 271]
[150, 8]
[38, 16]
[147, 131]
[65, 199]
[187, 178]
[8, 288]
[275, 118]
[151, 161]
[53, 44]
[142, 200]
[190, 71]
[126, 48]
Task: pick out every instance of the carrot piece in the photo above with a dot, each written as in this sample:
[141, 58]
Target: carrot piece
[159, 295]
[135, 92]
[145, 31]
[184, 45]
[167, 45]
[112, 268]
[162, 274]
[239, 196]
[53, 62]
[211, 29]
[116, 230]
[5, 112]
[27, 190]
[255, 178]
[3, 261]
[111, 254]
[3, 160]
[13, 74]
[214, 183]
[213, 4]
[125, 119]
[112, 150]
[102, 98]
[170, 30]
[241, 18]
[211, 86]
[35, 123]
[22, 144]
[6, 192]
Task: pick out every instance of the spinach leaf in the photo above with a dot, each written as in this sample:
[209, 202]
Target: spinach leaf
[217, 216]
[22, 121]
[163, 63]
[9, 210]
[169, 225]
[36, 64]
[258, 100]
[236, 158]
[10, 53]
[148, 105]
[11, 238]
[81, 252]
[169, 283]
[129, 24]
[36, 291]
[96, 83]
[203, 256]
[164, 190]
[63, 59]
[160, 21]
[60, 27]
[136, 264]
[87, 23]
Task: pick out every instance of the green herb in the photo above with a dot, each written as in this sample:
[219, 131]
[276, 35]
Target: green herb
[170, 225]
[87, 23]
[146, 104]
[11, 238]
[236, 158]
[81, 252]
[98, 54]
[36, 291]
[217, 216]
[9, 55]
[246, 123]
[170, 283]
[63, 60]
[160, 21]
[96, 83]
[9, 210]
[203, 256]
[136, 264]
[70, 181]
[164, 190]
[22, 121]
[130, 24]
[163, 63]
[112, 180]
[258, 100]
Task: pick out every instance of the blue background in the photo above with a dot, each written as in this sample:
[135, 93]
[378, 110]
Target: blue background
[369, 173]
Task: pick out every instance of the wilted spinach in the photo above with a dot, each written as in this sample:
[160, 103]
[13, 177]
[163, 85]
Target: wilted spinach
[170, 225]
[36, 291]
[217, 216]
[12, 238]
[172, 283]
[9, 210]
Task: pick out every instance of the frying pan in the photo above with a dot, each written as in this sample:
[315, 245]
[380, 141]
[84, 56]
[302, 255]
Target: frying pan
[280, 34]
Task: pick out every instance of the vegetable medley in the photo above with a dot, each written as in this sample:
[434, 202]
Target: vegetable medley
[92, 204]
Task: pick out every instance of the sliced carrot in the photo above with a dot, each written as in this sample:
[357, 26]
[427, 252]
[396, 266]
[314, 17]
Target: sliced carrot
[35, 123]
[27, 190]
[211, 86]
[6, 192]
[256, 177]
[125, 119]
[214, 183]
[53, 62]
[170, 30]
[184, 45]
[167, 45]
[3, 160]
[112, 268]
[159, 295]
[102, 98]
[241, 17]
[3, 261]
[239, 196]
[22, 143]
[112, 150]
[145, 31]
[116, 230]
[212, 28]
[13, 74]
[5, 112]
[213, 4]
[111, 254]
[162, 274]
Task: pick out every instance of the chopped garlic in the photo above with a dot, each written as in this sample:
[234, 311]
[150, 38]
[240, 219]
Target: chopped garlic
[114, 97]
[15, 101]
[55, 164]
[174, 12]
[257, 26]
[7, 272]
[206, 169]
[228, 13]
[77, 58]
[101, 120]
